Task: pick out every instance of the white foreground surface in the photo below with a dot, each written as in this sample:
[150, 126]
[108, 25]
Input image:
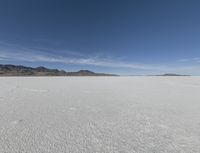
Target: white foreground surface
[100, 114]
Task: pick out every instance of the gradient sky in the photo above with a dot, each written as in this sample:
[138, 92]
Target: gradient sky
[114, 36]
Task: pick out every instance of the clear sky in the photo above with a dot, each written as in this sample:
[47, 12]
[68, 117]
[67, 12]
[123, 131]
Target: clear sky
[115, 36]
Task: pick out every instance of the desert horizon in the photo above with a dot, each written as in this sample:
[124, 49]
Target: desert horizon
[99, 76]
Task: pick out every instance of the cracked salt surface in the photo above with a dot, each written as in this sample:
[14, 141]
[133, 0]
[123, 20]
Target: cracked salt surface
[99, 114]
[35, 90]
[16, 122]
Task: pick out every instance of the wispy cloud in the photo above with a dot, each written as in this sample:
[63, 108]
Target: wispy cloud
[13, 53]
[99, 62]
[195, 59]
[93, 61]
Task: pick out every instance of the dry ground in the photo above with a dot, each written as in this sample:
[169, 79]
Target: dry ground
[100, 114]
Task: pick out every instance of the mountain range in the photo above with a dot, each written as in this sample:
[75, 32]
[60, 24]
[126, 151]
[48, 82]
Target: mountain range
[19, 70]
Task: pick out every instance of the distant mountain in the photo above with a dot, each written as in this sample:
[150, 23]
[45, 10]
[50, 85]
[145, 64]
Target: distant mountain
[19, 70]
[171, 74]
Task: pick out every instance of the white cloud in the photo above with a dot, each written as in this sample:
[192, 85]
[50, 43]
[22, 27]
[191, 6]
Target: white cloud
[196, 59]
[19, 53]
[100, 62]
[93, 61]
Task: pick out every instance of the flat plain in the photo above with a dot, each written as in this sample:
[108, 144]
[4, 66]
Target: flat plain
[100, 114]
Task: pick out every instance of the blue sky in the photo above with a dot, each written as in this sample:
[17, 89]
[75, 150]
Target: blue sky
[114, 36]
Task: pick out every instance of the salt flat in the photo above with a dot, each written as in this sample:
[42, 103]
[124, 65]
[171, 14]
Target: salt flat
[99, 114]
